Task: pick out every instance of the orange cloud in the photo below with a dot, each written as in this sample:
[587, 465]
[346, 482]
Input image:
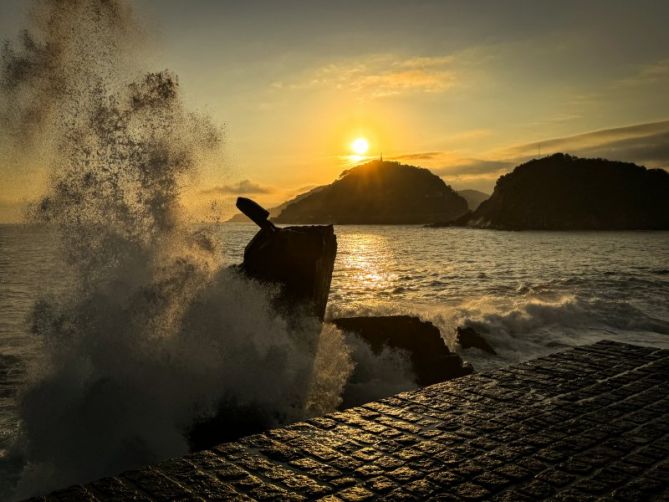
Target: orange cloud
[383, 76]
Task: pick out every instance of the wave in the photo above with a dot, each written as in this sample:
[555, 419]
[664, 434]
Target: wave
[526, 324]
[524, 327]
[153, 335]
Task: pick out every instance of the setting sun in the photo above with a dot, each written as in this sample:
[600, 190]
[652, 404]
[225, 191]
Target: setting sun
[360, 146]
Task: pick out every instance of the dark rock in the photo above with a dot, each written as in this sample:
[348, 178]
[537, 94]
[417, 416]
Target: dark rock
[431, 360]
[255, 212]
[378, 192]
[468, 337]
[563, 192]
[300, 259]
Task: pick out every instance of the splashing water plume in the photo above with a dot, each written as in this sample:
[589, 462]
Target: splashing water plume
[153, 333]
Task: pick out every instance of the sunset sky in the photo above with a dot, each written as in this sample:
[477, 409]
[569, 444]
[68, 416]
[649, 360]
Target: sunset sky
[467, 89]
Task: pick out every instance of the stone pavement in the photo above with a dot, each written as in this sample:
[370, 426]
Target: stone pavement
[588, 423]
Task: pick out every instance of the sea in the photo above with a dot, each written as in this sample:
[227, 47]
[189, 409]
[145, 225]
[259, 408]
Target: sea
[528, 293]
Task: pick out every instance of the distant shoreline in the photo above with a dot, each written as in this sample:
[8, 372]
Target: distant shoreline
[429, 226]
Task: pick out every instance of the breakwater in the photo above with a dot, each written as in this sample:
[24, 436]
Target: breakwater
[585, 423]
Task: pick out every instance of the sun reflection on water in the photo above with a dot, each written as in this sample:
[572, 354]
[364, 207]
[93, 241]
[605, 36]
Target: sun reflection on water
[365, 260]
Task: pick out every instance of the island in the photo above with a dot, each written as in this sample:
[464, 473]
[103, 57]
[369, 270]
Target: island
[378, 192]
[564, 192]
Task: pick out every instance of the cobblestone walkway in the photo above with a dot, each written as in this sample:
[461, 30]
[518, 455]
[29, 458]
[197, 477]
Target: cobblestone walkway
[587, 423]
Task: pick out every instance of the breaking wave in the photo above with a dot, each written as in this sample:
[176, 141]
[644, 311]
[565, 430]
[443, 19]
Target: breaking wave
[153, 336]
[524, 327]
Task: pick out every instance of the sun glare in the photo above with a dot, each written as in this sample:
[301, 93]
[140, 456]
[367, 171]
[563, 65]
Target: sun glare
[360, 146]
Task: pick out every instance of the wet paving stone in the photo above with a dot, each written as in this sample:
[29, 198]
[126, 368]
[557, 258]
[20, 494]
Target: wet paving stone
[589, 423]
[380, 484]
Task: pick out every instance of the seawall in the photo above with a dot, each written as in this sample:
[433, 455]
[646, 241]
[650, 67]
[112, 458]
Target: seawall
[586, 423]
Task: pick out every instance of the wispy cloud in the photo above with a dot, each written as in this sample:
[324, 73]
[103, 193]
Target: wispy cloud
[382, 76]
[244, 187]
[474, 167]
[417, 156]
[639, 82]
[642, 143]
[647, 74]
[473, 134]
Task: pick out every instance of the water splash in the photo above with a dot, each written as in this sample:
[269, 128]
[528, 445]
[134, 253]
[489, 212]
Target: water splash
[153, 335]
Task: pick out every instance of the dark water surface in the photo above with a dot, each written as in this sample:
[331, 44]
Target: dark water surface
[530, 292]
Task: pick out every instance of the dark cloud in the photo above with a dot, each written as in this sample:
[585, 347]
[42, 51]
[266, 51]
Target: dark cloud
[652, 150]
[244, 187]
[417, 156]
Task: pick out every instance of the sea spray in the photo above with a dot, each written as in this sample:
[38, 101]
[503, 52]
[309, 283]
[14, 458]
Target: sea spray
[333, 366]
[153, 335]
[376, 375]
[48, 80]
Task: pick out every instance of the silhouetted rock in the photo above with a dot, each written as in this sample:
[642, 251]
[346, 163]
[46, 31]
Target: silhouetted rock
[378, 192]
[562, 192]
[468, 337]
[300, 259]
[473, 198]
[431, 360]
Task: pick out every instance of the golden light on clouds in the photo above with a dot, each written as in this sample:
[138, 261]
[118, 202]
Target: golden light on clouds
[382, 76]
